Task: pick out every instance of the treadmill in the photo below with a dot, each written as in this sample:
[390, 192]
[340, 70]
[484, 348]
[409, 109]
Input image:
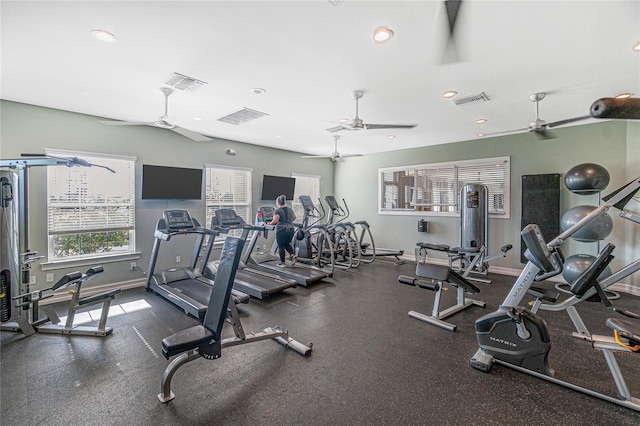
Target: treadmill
[258, 284]
[184, 287]
[302, 274]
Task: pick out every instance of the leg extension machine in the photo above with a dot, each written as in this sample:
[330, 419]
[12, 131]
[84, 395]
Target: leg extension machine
[434, 278]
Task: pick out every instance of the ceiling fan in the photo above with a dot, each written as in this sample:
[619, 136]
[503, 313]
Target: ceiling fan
[357, 123]
[162, 121]
[538, 126]
[452, 9]
[335, 155]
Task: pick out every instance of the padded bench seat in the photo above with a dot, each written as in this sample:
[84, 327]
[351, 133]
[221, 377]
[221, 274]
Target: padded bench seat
[185, 340]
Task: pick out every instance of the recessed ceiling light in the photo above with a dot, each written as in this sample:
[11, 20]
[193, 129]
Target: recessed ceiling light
[343, 120]
[637, 47]
[449, 94]
[624, 95]
[481, 120]
[258, 91]
[391, 136]
[382, 34]
[197, 118]
[105, 36]
[479, 135]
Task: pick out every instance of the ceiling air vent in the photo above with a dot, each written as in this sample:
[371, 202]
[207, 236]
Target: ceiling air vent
[242, 116]
[480, 97]
[182, 82]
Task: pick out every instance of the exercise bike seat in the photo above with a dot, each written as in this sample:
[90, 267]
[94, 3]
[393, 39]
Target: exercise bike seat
[629, 331]
[185, 340]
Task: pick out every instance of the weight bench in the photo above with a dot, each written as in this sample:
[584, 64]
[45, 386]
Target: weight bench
[471, 259]
[435, 277]
[205, 340]
[51, 323]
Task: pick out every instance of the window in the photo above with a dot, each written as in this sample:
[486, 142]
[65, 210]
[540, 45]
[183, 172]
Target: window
[90, 210]
[434, 188]
[228, 188]
[305, 185]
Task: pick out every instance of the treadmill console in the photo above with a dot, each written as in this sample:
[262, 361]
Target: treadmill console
[178, 219]
[267, 213]
[227, 218]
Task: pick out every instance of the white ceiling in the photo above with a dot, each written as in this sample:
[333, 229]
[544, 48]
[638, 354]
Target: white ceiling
[310, 55]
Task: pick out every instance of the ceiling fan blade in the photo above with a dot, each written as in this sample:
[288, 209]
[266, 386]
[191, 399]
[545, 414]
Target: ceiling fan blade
[567, 121]
[350, 155]
[453, 8]
[544, 134]
[504, 132]
[194, 136]
[124, 123]
[315, 156]
[336, 129]
[389, 126]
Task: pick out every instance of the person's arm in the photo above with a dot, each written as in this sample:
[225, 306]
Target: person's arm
[276, 218]
[293, 216]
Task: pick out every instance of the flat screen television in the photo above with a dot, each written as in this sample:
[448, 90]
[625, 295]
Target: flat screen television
[273, 186]
[171, 183]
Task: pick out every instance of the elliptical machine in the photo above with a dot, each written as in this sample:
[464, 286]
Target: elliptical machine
[312, 241]
[518, 338]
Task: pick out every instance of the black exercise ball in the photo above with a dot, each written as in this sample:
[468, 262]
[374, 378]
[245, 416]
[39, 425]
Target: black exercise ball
[577, 264]
[597, 230]
[587, 179]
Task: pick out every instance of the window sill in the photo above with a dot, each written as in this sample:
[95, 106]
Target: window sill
[61, 264]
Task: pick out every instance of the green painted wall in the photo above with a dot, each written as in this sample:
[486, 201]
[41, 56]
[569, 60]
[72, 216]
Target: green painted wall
[30, 129]
[613, 144]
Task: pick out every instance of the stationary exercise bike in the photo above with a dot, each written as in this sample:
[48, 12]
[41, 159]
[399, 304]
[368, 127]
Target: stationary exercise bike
[518, 338]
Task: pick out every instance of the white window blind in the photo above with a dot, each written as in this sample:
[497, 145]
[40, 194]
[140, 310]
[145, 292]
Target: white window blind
[228, 188]
[305, 185]
[90, 210]
[435, 188]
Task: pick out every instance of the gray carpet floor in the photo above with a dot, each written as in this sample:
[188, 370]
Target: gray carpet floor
[371, 365]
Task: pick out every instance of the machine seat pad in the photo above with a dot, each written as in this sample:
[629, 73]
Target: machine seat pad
[430, 246]
[433, 272]
[99, 297]
[185, 340]
[465, 250]
[626, 329]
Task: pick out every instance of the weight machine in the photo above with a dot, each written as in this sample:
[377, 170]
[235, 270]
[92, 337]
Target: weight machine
[18, 304]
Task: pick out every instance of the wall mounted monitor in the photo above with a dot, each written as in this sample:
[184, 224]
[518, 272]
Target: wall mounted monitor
[273, 186]
[171, 183]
